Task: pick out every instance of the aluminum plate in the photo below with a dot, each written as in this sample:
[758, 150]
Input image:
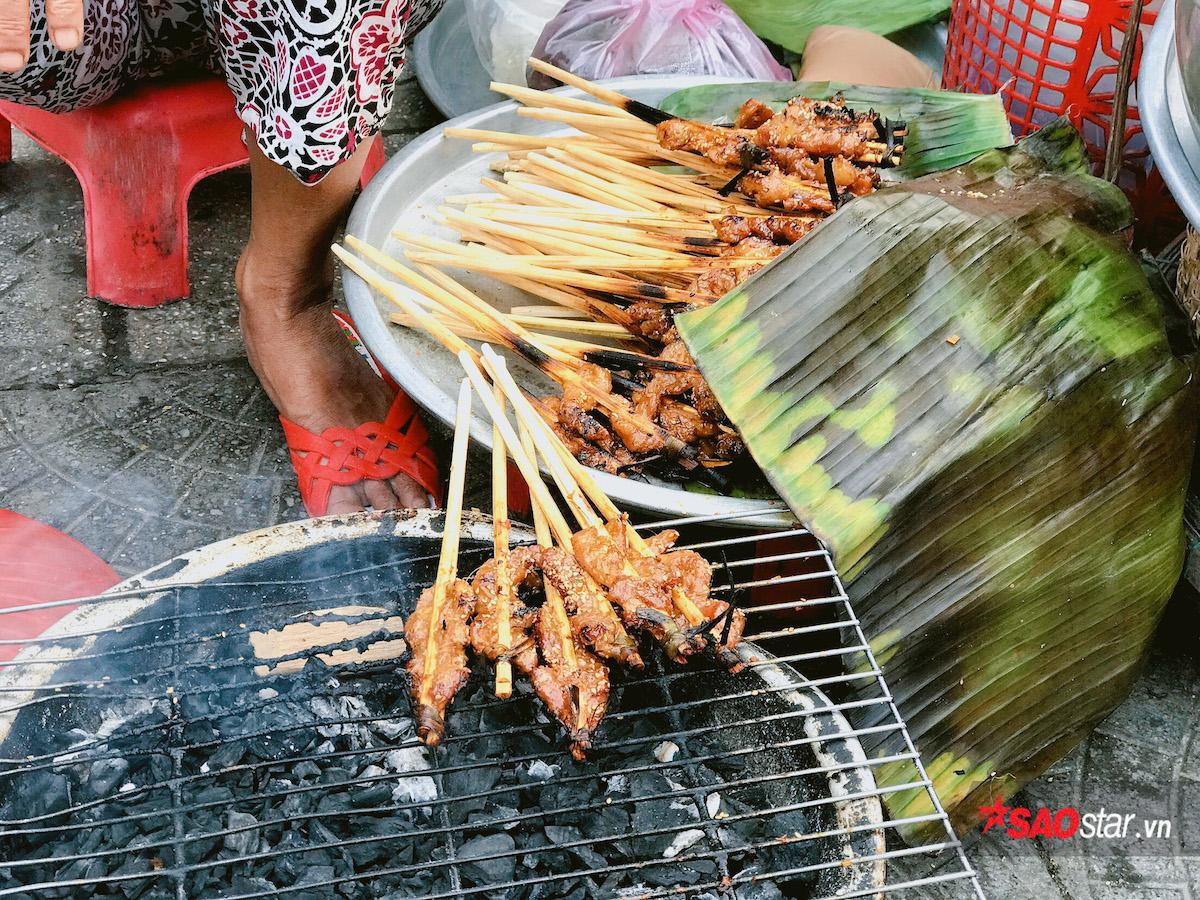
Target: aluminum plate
[406, 193]
[1165, 118]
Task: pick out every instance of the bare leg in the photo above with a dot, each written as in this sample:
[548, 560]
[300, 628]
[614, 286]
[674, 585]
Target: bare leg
[284, 280]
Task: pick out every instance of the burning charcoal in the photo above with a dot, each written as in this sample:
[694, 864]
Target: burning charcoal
[241, 843]
[480, 870]
[106, 775]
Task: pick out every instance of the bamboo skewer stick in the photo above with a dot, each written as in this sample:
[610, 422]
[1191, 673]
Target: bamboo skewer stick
[646, 240]
[532, 97]
[637, 290]
[413, 310]
[556, 240]
[556, 455]
[690, 264]
[501, 538]
[447, 570]
[606, 123]
[608, 95]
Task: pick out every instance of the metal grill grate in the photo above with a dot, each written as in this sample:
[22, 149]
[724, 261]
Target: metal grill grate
[145, 750]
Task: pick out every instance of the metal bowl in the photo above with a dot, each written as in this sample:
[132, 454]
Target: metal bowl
[316, 564]
[406, 193]
[1169, 101]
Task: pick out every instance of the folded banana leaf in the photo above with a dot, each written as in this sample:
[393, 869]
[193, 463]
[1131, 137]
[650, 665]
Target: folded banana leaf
[966, 386]
[945, 128]
[789, 22]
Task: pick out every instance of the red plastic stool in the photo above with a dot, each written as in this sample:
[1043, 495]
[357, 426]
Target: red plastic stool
[137, 158]
[40, 565]
[1050, 57]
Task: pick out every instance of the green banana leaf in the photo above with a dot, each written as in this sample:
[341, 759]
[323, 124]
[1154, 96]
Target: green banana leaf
[965, 385]
[789, 22]
[946, 129]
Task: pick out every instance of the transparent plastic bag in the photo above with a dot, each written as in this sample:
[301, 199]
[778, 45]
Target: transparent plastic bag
[606, 38]
[504, 32]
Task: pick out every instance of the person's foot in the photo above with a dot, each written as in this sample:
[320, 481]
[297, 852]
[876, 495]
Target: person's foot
[312, 374]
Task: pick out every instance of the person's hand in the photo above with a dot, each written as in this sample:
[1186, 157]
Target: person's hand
[64, 20]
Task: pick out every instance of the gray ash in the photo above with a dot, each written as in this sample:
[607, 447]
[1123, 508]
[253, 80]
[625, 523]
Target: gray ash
[186, 774]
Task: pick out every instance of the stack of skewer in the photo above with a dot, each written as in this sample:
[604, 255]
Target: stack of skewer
[561, 612]
[614, 245]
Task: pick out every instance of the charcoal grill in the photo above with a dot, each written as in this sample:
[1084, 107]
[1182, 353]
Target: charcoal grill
[234, 723]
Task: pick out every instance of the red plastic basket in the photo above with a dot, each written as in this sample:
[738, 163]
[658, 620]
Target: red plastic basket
[1050, 57]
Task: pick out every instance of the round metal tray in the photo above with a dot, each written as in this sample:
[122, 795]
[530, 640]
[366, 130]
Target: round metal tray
[406, 193]
[1168, 124]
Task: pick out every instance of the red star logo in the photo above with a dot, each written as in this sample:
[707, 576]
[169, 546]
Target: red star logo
[996, 813]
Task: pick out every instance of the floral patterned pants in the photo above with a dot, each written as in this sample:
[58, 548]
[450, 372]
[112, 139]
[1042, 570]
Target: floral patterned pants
[311, 78]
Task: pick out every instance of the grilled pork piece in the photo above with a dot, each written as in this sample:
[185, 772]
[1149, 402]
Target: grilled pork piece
[593, 620]
[721, 281]
[448, 668]
[819, 128]
[752, 114]
[645, 605]
[573, 684]
[723, 146]
[773, 188]
[777, 229]
[485, 640]
[847, 176]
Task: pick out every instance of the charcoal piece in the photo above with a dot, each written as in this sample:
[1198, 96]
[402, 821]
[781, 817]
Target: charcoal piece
[120, 833]
[133, 887]
[759, 890]
[198, 732]
[562, 834]
[670, 875]
[201, 848]
[306, 769]
[334, 775]
[241, 843]
[367, 853]
[298, 804]
[609, 820]
[43, 793]
[495, 815]
[376, 793]
[228, 754]
[253, 884]
[194, 705]
[160, 767]
[480, 870]
[316, 875]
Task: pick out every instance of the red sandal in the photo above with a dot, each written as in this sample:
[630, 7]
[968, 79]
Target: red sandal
[373, 451]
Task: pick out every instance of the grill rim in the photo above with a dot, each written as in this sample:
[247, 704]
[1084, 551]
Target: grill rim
[835, 745]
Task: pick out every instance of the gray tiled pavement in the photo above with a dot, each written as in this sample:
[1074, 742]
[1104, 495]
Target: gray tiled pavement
[144, 434]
